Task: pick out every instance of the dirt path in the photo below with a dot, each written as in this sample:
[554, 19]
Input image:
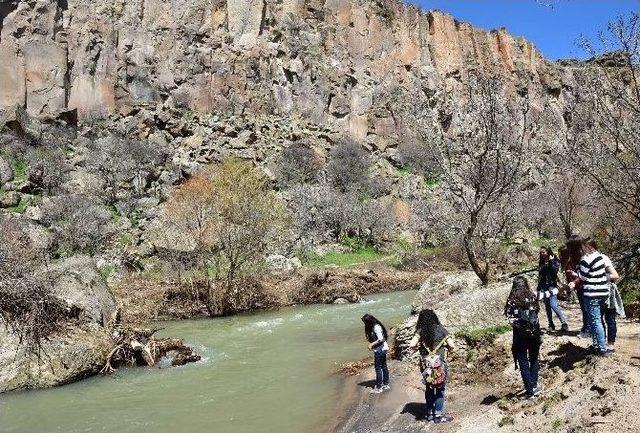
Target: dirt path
[580, 393]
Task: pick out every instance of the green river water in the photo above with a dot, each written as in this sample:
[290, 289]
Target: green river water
[271, 372]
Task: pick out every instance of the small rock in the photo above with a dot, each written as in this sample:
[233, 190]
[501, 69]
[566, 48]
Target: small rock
[6, 172]
[9, 199]
[340, 301]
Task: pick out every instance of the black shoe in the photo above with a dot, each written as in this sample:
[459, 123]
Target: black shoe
[564, 328]
[552, 327]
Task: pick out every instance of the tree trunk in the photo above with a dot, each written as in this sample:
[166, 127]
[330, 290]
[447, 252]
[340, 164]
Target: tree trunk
[480, 271]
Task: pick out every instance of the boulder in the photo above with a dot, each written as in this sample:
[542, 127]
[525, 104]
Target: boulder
[6, 172]
[460, 302]
[77, 350]
[79, 284]
[280, 263]
[9, 199]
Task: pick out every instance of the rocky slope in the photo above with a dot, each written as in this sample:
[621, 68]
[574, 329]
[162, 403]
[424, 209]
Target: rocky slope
[580, 392]
[334, 66]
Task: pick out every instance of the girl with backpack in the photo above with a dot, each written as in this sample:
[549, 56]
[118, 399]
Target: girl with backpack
[433, 342]
[376, 335]
[548, 268]
[522, 311]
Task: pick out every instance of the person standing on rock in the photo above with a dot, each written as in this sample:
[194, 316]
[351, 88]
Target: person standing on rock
[592, 277]
[522, 310]
[376, 335]
[548, 268]
[433, 340]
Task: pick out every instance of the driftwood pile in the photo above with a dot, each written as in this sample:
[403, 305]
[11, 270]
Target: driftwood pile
[140, 347]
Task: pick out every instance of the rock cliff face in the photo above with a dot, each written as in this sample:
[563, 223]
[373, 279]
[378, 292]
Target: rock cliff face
[332, 63]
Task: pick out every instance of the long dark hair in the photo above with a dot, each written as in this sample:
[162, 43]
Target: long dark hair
[521, 295]
[576, 248]
[369, 323]
[428, 326]
[550, 254]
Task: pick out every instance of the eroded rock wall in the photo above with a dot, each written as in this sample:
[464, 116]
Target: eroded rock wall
[331, 62]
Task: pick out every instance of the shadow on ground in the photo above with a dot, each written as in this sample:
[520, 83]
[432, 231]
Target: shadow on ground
[567, 356]
[368, 383]
[418, 410]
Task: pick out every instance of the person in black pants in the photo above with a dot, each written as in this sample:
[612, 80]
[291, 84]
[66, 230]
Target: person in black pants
[522, 311]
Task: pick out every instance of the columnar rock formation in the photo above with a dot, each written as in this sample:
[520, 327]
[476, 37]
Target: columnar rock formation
[330, 62]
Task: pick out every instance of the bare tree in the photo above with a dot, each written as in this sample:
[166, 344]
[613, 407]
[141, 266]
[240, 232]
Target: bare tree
[482, 166]
[603, 134]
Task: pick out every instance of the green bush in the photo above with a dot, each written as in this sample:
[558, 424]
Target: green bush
[481, 336]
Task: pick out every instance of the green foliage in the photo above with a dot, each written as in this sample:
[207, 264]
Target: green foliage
[19, 170]
[432, 181]
[20, 207]
[506, 420]
[551, 401]
[404, 171]
[481, 336]
[556, 424]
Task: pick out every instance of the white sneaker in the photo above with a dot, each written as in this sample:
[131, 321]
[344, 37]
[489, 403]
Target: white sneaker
[537, 390]
[386, 387]
[376, 390]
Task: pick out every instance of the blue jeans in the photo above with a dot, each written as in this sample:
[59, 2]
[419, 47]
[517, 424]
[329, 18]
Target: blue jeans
[585, 321]
[435, 401]
[551, 304]
[380, 364]
[594, 309]
[527, 351]
[612, 326]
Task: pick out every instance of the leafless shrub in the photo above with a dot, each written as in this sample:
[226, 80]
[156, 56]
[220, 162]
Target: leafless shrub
[348, 167]
[298, 164]
[46, 168]
[27, 306]
[79, 223]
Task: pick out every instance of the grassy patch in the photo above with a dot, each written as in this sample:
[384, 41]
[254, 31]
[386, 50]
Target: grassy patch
[361, 255]
[551, 401]
[20, 207]
[556, 424]
[545, 242]
[506, 420]
[480, 336]
[19, 171]
[432, 181]
[404, 171]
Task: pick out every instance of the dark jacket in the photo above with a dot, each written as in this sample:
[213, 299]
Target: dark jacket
[548, 274]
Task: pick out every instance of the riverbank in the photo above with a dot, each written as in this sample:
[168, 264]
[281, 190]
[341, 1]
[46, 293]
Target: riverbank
[580, 393]
[143, 300]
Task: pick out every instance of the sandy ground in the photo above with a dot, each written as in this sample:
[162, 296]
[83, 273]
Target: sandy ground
[580, 393]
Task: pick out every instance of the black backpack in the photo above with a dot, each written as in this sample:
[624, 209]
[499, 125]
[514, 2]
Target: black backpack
[528, 324]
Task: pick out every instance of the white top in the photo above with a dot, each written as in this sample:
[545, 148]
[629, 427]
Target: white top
[377, 329]
[607, 261]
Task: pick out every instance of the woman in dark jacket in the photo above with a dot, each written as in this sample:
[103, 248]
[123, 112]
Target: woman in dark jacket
[522, 311]
[431, 337]
[548, 268]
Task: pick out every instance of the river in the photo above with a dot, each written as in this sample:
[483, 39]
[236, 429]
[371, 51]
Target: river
[270, 372]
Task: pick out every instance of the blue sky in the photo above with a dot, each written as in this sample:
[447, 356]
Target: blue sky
[554, 30]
